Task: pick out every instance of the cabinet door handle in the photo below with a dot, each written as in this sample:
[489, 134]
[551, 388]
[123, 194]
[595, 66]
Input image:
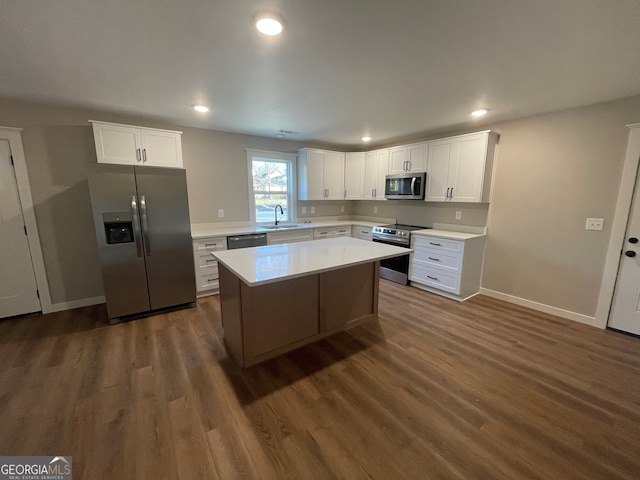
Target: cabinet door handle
[451, 194]
[144, 154]
[436, 244]
[434, 259]
[138, 154]
[447, 195]
[210, 260]
[345, 193]
[433, 278]
[210, 244]
[373, 195]
[211, 280]
[408, 165]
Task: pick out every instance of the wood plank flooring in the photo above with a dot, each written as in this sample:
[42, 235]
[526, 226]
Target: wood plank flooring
[434, 389]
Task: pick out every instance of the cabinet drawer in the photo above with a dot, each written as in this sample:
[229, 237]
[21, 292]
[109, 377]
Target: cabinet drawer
[322, 233]
[204, 260]
[206, 282]
[437, 243]
[342, 232]
[289, 236]
[363, 233]
[210, 244]
[435, 278]
[434, 257]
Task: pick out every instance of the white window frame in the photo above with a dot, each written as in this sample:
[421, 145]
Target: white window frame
[293, 195]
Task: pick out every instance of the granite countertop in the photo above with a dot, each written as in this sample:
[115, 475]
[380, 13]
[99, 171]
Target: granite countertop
[273, 263]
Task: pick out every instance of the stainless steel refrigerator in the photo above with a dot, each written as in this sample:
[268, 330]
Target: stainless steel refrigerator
[141, 218]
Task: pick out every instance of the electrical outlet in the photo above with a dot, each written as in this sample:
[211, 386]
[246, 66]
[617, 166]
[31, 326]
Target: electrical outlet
[220, 213]
[341, 208]
[304, 210]
[313, 209]
[375, 209]
[458, 215]
[594, 224]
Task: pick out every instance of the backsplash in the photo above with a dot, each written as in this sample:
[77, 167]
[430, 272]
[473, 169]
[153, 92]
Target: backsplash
[409, 212]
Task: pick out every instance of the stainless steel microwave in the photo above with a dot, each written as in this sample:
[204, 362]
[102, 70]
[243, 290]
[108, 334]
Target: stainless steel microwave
[405, 186]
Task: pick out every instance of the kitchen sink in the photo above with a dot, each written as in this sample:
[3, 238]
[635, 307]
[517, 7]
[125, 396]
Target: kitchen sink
[280, 226]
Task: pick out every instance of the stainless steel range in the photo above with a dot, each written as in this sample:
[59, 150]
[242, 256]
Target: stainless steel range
[395, 269]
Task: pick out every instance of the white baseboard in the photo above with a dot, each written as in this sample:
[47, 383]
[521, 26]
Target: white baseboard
[541, 307]
[84, 302]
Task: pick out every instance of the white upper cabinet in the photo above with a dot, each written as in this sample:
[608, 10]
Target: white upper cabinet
[354, 175]
[408, 158]
[320, 175]
[130, 145]
[376, 167]
[459, 168]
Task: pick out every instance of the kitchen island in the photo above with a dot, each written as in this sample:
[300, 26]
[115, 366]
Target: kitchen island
[279, 297]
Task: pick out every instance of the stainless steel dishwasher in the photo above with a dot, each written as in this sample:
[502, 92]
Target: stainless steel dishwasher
[246, 241]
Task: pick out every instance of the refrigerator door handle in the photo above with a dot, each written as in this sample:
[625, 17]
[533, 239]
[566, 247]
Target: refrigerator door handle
[145, 226]
[136, 225]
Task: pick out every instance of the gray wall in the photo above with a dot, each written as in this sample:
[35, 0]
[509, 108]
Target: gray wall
[552, 172]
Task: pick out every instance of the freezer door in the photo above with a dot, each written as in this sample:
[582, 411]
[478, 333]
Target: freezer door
[166, 230]
[115, 215]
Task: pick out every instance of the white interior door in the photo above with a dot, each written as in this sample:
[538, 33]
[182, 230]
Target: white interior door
[625, 309]
[18, 290]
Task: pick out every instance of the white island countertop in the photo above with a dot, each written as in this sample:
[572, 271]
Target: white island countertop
[274, 263]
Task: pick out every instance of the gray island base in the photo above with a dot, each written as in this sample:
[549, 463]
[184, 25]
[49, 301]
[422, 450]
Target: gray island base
[275, 299]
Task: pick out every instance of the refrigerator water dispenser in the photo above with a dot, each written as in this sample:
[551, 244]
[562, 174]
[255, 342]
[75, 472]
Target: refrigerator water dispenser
[118, 228]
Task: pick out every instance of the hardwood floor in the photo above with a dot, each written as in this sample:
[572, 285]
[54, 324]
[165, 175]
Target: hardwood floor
[434, 389]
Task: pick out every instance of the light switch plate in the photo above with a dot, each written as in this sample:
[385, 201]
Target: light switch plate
[304, 210]
[313, 209]
[458, 215]
[375, 209]
[341, 208]
[221, 213]
[595, 224]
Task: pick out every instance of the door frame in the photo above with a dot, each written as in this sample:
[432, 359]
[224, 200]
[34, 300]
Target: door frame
[14, 137]
[619, 226]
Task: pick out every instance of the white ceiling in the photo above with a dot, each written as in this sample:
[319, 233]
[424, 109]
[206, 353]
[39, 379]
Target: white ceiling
[341, 69]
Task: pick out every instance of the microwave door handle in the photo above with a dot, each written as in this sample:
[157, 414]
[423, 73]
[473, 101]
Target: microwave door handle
[136, 225]
[145, 225]
[413, 186]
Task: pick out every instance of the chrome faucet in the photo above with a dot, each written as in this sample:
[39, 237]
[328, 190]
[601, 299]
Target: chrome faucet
[276, 212]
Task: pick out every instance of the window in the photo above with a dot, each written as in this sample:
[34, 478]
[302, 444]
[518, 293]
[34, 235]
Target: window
[271, 184]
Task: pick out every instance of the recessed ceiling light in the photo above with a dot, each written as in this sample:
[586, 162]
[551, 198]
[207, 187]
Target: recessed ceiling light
[269, 24]
[481, 112]
[366, 138]
[201, 108]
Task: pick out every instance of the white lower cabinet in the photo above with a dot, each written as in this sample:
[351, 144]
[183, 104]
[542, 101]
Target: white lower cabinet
[451, 267]
[206, 266]
[342, 231]
[319, 233]
[363, 233]
[289, 236]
